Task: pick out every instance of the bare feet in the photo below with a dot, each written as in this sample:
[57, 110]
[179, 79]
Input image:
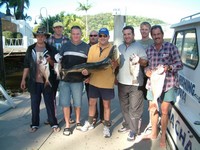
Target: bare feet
[149, 136]
[162, 145]
[162, 142]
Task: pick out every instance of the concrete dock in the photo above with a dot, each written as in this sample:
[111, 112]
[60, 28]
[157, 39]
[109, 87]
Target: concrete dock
[15, 135]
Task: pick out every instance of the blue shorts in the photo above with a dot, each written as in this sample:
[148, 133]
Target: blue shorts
[105, 94]
[167, 96]
[70, 91]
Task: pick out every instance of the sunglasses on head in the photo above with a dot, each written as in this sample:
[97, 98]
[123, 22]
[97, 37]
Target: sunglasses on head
[102, 35]
[93, 35]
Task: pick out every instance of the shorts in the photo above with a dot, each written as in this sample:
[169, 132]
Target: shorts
[70, 91]
[167, 96]
[105, 94]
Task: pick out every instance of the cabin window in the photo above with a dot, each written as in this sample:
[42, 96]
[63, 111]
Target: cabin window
[186, 41]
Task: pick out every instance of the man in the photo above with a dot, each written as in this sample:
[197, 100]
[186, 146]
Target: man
[72, 53]
[162, 53]
[93, 39]
[146, 41]
[145, 29]
[130, 93]
[41, 79]
[101, 82]
[57, 40]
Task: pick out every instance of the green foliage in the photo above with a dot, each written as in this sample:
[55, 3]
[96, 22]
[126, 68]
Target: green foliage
[136, 20]
[17, 35]
[95, 22]
[7, 34]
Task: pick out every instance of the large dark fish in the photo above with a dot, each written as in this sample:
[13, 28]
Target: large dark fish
[105, 63]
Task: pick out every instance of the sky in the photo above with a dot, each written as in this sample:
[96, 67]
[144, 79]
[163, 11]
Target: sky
[170, 11]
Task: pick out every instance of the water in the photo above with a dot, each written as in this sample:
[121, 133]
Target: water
[13, 73]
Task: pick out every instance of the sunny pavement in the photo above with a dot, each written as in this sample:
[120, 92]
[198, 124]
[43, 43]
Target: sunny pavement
[15, 135]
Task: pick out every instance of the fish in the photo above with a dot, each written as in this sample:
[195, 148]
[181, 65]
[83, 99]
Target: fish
[157, 80]
[91, 66]
[134, 68]
[44, 70]
[57, 68]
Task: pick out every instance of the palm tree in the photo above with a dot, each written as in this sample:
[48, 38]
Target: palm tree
[2, 2]
[85, 7]
[18, 6]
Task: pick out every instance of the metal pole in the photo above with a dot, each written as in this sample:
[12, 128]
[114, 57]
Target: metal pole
[46, 18]
[2, 67]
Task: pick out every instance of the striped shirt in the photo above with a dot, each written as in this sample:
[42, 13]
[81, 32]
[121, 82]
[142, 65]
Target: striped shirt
[167, 55]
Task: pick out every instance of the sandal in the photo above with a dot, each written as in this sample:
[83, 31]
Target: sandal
[67, 131]
[56, 129]
[71, 121]
[94, 121]
[33, 129]
[78, 126]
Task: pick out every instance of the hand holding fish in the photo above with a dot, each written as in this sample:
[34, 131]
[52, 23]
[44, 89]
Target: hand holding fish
[85, 72]
[49, 60]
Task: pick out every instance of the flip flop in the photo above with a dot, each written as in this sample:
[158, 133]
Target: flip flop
[67, 131]
[71, 121]
[56, 129]
[33, 129]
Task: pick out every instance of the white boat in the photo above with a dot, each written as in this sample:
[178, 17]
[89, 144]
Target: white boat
[184, 121]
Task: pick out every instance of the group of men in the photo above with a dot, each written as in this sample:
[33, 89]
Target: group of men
[147, 53]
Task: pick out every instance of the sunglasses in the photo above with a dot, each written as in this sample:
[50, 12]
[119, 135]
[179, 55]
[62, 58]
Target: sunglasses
[93, 35]
[102, 35]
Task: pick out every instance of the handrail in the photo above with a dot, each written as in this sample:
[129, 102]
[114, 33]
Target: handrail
[190, 17]
[14, 42]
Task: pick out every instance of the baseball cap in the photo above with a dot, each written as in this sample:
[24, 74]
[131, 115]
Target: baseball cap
[104, 31]
[57, 24]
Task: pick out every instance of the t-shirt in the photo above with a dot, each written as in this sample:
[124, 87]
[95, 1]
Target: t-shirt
[124, 75]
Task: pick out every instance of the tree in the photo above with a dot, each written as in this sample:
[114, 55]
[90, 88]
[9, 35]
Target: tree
[2, 2]
[18, 7]
[85, 7]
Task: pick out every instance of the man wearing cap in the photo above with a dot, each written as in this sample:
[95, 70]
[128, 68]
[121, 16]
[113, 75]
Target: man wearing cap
[101, 82]
[93, 39]
[38, 68]
[57, 40]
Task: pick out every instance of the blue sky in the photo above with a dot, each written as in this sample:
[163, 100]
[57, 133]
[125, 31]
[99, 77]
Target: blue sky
[170, 11]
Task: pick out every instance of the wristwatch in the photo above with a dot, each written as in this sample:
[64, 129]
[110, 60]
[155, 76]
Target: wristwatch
[169, 68]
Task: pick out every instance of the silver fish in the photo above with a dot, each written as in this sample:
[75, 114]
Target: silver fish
[105, 63]
[44, 69]
[157, 82]
[57, 69]
[134, 67]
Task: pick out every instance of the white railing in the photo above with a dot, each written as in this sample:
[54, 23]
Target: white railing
[17, 42]
[14, 42]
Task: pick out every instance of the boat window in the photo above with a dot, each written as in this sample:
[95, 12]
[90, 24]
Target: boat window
[186, 41]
